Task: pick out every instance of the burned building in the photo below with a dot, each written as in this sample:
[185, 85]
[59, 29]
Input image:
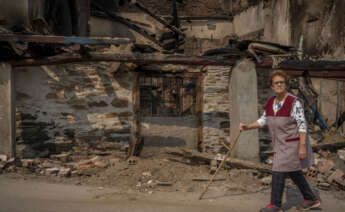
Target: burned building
[165, 100]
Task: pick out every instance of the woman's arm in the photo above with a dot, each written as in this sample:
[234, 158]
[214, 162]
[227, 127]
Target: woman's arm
[257, 124]
[302, 150]
[251, 126]
[297, 114]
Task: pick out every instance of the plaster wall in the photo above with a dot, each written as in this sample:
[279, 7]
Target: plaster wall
[211, 29]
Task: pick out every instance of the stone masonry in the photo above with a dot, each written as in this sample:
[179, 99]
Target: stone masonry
[216, 120]
[71, 104]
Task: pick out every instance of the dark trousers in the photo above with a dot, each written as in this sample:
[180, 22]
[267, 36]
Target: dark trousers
[278, 184]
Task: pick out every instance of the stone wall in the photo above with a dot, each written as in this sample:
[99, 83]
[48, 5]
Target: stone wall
[216, 120]
[69, 104]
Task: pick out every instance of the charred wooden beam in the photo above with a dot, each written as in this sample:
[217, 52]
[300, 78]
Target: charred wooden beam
[305, 65]
[103, 13]
[329, 70]
[170, 68]
[63, 39]
[207, 158]
[157, 18]
[133, 58]
[324, 69]
[201, 18]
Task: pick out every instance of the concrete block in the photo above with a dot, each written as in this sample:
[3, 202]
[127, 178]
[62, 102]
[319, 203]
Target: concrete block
[244, 98]
[3, 157]
[7, 111]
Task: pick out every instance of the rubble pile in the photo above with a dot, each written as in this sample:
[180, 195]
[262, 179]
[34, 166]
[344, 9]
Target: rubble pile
[328, 172]
[166, 170]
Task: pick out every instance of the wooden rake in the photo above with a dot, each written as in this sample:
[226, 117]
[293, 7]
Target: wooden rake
[232, 144]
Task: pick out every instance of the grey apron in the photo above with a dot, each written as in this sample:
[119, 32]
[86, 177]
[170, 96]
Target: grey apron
[285, 138]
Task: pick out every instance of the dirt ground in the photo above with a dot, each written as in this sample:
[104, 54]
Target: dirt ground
[156, 171]
[21, 194]
[158, 181]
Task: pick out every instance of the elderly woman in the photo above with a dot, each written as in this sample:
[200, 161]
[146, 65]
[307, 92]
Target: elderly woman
[284, 116]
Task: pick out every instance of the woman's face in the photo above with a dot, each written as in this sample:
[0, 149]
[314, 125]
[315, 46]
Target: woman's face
[278, 85]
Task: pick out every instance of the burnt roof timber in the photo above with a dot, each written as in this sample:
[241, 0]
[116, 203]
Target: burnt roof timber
[64, 39]
[201, 18]
[140, 59]
[157, 18]
[325, 69]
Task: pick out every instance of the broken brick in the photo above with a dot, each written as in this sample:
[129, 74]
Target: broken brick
[338, 174]
[100, 164]
[28, 163]
[326, 166]
[87, 166]
[52, 171]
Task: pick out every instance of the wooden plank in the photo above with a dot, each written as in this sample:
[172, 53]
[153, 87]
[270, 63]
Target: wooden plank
[206, 158]
[199, 106]
[316, 147]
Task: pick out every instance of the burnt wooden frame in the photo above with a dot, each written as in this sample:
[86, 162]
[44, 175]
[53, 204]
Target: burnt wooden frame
[199, 100]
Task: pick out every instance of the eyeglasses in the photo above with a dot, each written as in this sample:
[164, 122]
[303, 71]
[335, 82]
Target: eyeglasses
[279, 83]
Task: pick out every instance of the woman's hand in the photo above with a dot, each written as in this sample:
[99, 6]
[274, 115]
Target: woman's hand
[243, 127]
[302, 152]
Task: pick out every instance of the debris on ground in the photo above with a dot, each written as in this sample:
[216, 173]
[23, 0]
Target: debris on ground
[170, 169]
